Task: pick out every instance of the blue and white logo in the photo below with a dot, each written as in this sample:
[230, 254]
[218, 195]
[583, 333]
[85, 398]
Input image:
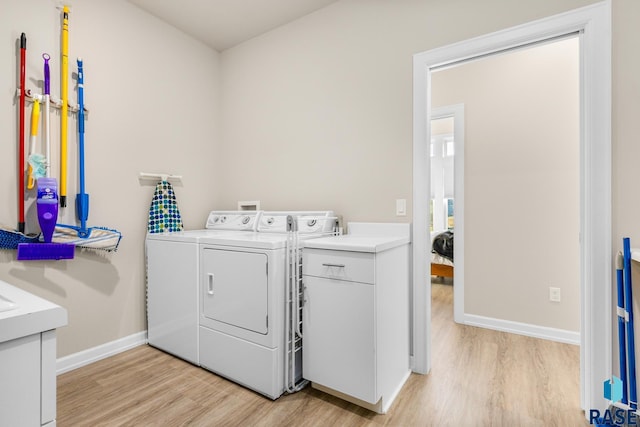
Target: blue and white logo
[613, 389]
[614, 415]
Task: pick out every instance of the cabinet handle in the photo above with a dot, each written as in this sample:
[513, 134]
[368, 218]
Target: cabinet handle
[333, 265]
[210, 283]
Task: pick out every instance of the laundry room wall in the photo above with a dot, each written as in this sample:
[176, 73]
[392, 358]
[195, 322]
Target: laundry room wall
[625, 123]
[625, 134]
[318, 113]
[521, 182]
[153, 99]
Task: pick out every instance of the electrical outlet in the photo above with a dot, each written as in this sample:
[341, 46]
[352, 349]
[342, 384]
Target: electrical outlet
[554, 294]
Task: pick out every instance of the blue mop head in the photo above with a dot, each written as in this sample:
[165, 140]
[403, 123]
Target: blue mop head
[11, 239]
[101, 238]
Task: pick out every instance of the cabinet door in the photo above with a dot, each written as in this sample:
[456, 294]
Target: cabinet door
[339, 339]
[20, 381]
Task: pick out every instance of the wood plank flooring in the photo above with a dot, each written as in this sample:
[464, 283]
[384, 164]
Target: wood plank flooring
[478, 378]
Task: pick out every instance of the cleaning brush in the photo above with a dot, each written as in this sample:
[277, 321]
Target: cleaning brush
[37, 162]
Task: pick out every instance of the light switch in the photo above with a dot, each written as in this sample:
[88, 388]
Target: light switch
[401, 207]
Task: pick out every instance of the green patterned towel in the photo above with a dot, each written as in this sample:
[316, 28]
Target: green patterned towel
[164, 215]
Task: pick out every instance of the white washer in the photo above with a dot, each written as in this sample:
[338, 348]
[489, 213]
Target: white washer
[173, 262]
[242, 301]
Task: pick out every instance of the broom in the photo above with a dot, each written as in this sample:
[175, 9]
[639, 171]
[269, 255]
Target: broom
[631, 348]
[10, 238]
[23, 50]
[64, 79]
[618, 412]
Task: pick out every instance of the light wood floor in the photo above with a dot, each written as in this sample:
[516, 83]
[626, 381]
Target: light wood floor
[478, 378]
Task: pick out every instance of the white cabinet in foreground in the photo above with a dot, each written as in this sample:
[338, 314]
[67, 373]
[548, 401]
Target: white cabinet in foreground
[356, 315]
[28, 358]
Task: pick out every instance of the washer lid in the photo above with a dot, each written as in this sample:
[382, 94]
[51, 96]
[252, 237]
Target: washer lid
[191, 236]
[176, 236]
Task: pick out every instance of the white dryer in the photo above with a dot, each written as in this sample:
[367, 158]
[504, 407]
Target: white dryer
[243, 302]
[173, 274]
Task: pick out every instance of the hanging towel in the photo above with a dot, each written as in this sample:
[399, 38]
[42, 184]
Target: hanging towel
[163, 213]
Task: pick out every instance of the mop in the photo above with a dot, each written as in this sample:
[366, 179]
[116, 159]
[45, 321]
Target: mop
[626, 345]
[83, 236]
[622, 346]
[631, 349]
[47, 201]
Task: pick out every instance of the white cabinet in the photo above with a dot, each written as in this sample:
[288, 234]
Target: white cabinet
[28, 358]
[356, 318]
[28, 372]
[339, 337]
[20, 373]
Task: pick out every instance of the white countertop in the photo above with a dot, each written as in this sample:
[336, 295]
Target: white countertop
[357, 243]
[23, 314]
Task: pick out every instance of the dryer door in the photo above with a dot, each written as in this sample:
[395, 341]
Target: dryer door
[235, 288]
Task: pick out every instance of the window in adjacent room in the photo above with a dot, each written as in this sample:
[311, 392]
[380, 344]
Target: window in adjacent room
[442, 155]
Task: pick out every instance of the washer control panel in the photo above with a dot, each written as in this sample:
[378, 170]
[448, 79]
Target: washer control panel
[233, 220]
[307, 222]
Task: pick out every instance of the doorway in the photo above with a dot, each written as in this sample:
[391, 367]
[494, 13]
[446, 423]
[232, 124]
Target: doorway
[522, 165]
[592, 25]
[452, 117]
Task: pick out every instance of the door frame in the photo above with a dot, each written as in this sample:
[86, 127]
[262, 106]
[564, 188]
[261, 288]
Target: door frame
[456, 112]
[593, 26]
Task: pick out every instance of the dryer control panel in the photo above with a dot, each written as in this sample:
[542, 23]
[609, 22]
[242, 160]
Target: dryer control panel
[233, 220]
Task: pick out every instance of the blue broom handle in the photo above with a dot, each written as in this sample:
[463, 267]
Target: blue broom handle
[631, 348]
[81, 123]
[82, 200]
[622, 346]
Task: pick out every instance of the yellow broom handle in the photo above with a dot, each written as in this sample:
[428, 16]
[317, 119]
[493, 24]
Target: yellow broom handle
[35, 116]
[63, 111]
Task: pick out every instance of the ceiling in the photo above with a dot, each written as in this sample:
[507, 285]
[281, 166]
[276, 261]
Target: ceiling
[222, 24]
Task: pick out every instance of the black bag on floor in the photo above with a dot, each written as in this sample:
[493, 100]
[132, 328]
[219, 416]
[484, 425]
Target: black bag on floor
[443, 245]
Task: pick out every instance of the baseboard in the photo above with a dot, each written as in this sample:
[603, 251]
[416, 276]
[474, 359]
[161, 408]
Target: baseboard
[85, 357]
[543, 332]
[386, 404]
[374, 407]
